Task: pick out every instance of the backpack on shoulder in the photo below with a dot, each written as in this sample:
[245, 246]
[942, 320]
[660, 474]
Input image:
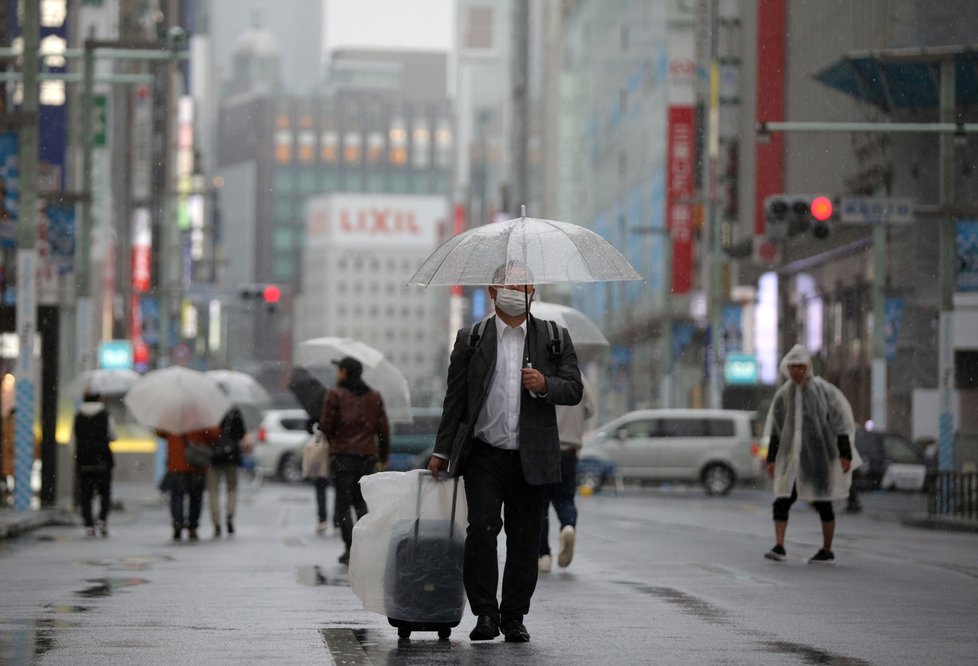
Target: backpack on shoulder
[555, 336]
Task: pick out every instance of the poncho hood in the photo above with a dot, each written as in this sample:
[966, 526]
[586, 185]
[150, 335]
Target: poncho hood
[797, 355]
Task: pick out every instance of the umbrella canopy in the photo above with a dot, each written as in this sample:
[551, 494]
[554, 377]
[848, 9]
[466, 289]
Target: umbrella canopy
[587, 337]
[105, 381]
[552, 251]
[316, 356]
[177, 400]
[308, 390]
[241, 388]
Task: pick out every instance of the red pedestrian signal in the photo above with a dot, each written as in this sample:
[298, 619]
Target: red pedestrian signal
[271, 294]
[821, 208]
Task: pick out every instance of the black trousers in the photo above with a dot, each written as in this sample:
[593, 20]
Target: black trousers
[91, 483]
[191, 486]
[347, 469]
[497, 493]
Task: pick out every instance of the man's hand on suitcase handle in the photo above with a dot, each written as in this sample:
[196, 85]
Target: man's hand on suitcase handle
[437, 465]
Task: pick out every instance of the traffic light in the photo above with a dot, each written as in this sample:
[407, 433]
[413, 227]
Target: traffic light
[269, 294]
[788, 215]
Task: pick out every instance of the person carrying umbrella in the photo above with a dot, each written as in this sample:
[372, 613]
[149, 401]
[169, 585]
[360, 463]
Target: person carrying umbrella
[355, 424]
[224, 465]
[810, 454]
[184, 480]
[499, 431]
[93, 430]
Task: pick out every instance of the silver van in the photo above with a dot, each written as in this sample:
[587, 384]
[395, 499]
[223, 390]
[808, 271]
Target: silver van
[714, 447]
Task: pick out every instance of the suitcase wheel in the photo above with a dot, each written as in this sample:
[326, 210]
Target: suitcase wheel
[403, 632]
[444, 633]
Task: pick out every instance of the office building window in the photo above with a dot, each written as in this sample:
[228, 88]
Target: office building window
[282, 238]
[478, 35]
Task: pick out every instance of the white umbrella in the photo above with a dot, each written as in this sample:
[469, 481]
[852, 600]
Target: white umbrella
[317, 355]
[105, 381]
[550, 251]
[242, 389]
[177, 400]
[585, 334]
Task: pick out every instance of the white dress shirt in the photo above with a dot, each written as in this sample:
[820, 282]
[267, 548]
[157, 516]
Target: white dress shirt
[499, 419]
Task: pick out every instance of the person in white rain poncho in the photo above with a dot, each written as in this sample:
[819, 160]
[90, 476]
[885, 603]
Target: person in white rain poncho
[810, 454]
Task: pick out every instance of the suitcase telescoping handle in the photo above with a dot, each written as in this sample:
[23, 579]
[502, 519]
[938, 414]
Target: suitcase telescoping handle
[417, 520]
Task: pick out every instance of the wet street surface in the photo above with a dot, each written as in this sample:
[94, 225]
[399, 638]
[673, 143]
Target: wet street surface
[660, 576]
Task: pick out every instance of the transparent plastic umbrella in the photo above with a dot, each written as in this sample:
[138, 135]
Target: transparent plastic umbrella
[316, 356]
[587, 337]
[552, 251]
[242, 389]
[104, 381]
[177, 400]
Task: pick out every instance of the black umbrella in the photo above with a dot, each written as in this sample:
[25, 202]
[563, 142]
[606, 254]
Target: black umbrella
[308, 390]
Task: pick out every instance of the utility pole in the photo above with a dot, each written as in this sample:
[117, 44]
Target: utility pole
[521, 93]
[945, 197]
[26, 369]
[714, 288]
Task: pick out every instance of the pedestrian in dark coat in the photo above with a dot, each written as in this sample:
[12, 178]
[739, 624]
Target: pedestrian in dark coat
[93, 430]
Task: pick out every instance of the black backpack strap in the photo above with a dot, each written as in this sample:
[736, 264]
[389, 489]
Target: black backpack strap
[555, 338]
[475, 334]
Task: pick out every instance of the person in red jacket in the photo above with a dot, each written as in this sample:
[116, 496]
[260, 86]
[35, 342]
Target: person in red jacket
[185, 480]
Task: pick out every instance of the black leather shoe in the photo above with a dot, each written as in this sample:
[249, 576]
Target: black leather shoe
[485, 629]
[515, 632]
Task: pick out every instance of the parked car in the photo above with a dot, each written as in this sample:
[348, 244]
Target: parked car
[891, 462]
[714, 447]
[278, 445]
[412, 443]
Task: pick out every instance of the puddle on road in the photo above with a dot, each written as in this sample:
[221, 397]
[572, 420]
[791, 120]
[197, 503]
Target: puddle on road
[23, 641]
[810, 655]
[314, 576]
[131, 563]
[371, 646]
[687, 603]
[104, 587]
[66, 609]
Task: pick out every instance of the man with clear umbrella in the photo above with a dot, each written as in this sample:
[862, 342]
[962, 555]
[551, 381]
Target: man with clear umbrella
[355, 424]
[499, 432]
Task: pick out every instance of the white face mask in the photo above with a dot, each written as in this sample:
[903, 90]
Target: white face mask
[511, 302]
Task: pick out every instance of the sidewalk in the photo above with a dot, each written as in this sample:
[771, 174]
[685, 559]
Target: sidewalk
[13, 523]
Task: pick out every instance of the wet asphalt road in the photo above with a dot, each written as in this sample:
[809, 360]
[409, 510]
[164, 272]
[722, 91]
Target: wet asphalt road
[661, 576]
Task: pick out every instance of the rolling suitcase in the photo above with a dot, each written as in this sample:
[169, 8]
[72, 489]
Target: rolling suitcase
[424, 573]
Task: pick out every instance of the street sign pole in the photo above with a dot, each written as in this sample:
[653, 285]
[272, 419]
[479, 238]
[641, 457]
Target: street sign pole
[26, 368]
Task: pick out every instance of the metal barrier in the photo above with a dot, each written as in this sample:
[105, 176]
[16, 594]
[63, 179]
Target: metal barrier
[954, 494]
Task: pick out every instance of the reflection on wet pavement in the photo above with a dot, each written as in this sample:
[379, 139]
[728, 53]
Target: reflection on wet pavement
[131, 563]
[810, 655]
[104, 587]
[23, 641]
[314, 576]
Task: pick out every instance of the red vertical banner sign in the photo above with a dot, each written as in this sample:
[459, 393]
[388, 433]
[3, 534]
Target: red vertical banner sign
[458, 226]
[680, 160]
[142, 245]
[769, 154]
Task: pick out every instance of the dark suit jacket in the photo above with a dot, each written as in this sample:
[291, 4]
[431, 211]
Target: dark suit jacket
[469, 379]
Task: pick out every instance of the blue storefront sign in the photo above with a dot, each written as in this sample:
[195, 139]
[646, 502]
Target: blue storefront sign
[740, 369]
[115, 354]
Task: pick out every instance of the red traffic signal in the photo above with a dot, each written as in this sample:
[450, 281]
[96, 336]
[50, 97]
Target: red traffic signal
[821, 208]
[271, 294]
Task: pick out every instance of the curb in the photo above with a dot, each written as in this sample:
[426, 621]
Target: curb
[27, 521]
[946, 523]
